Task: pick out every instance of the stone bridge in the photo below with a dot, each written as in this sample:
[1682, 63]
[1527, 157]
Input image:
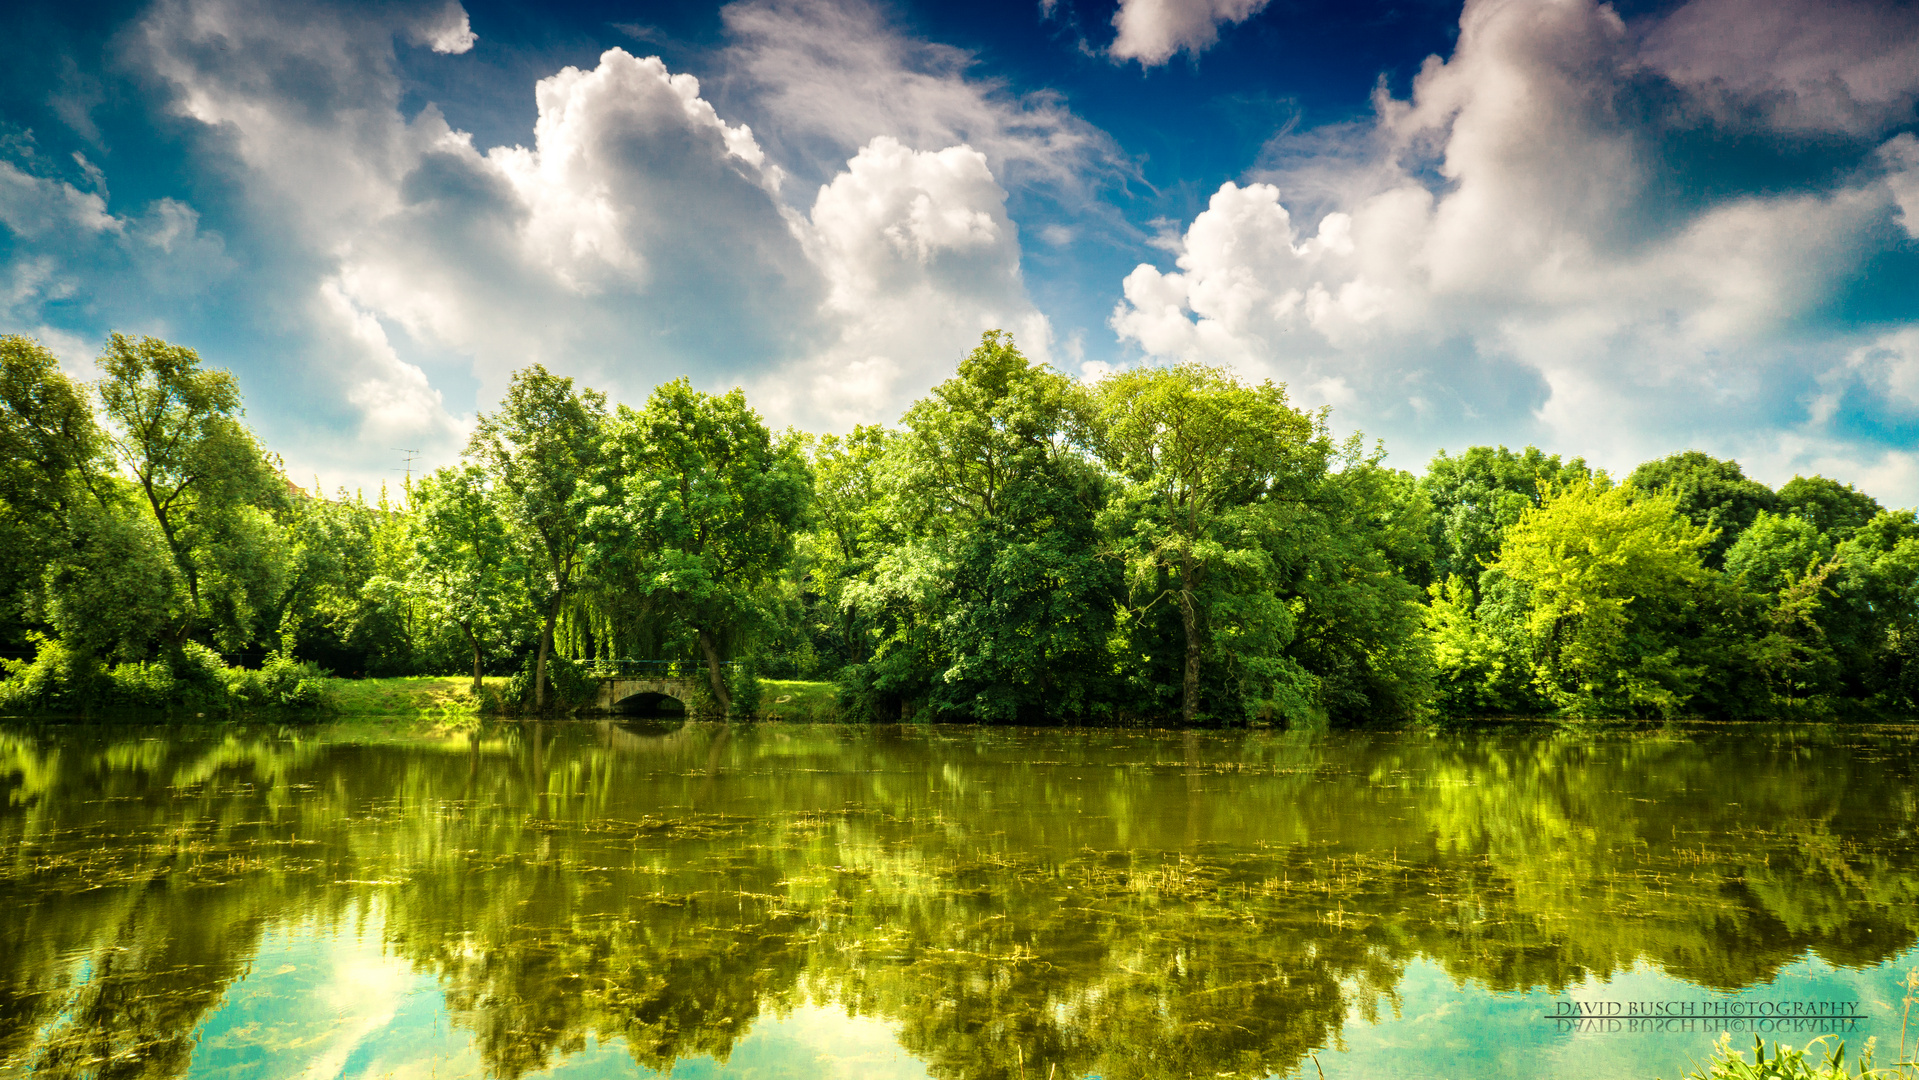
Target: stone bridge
[643, 693]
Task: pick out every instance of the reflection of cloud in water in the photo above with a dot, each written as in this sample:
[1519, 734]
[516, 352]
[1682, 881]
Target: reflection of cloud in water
[777, 900]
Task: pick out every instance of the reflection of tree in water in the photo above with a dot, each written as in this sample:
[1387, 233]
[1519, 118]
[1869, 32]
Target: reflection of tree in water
[1107, 903]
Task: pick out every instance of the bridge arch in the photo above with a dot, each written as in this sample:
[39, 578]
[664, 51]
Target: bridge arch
[651, 704]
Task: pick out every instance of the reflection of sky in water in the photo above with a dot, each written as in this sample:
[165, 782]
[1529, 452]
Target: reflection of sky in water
[979, 904]
[320, 1007]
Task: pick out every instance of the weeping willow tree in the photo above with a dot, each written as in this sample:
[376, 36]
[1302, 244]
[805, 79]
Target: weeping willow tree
[700, 507]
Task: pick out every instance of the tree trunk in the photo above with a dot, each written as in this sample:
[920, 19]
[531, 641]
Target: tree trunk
[546, 646]
[473, 639]
[714, 677]
[1189, 698]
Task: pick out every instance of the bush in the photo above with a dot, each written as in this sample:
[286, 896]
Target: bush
[743, 680]
[281, 682]
[572, 685]
[1787, 1063]
[59, 679]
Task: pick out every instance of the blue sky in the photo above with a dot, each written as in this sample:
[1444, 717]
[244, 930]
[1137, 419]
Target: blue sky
[1610, 230]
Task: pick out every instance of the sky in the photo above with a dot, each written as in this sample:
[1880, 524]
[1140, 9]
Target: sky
[1610, 230]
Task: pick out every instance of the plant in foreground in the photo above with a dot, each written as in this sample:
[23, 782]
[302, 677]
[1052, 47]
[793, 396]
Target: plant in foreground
[1786, 1063]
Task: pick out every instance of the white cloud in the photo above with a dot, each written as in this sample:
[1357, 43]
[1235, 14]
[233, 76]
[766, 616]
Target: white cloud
[639, 236]
[1515, 254]
[1901, 157]
[832, 76]
[1805, 65]
[920, 258]
[1152, 31]
[450, 33]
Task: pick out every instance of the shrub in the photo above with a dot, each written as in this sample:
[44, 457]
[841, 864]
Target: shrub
[572, 685]
[1788, 1063]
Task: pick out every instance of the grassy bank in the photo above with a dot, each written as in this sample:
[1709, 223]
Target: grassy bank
[448, 697]
[427, 697]
[792, 699]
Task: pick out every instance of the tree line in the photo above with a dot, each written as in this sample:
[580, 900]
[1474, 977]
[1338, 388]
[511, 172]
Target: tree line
[1165, 544]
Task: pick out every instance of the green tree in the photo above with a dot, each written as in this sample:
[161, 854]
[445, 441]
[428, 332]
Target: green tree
[1713, 493]
[465, 569]
[1359, 545]
[52, 466]
[1613, 574]
[996, 602]
[1836, 509]
[1870, 612]
[697, 508]
[1213, 475]
[541, 449]
[1480, 493]
[849, 527]
[204, 479]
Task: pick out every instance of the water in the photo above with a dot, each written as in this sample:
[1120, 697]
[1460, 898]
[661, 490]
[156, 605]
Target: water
[583, 899]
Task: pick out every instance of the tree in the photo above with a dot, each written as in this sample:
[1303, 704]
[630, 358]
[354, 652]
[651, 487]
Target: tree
[204, 479]
[849, 528]
[541, 449]
[1476, 496]
[1836, 509]
[1613, 573]
[1712, 492]
[465, 568]
[52, 466]
[1212, 472]
[697, 507]
[996, 602]
[1362, 538]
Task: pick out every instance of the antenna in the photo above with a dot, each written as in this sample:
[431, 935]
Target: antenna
[410, 455]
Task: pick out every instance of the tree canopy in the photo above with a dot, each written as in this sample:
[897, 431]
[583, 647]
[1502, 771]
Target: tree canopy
[1161, 544]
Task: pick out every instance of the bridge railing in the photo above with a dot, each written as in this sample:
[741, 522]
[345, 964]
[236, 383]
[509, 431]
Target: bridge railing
[646, 669]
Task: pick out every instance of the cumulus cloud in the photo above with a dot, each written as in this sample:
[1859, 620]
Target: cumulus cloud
[70, 250]
[1152, 31]
[832, 76]
[1536, 244]
[920, 257]
[638, 235]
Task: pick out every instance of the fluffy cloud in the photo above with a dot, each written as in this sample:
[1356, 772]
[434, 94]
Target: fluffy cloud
[920, 257]
[71, 253]
[829, 77]
[1152, 31]
[1537, 244]
[639, 236]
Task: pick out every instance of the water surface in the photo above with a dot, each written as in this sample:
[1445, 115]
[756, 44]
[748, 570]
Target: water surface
[581, 899]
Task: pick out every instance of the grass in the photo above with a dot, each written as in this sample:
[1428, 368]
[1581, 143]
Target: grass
[1817, 1060]
[425, 697]
[792, 699]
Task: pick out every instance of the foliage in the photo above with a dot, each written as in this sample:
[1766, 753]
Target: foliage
[1613, 574]
[1477, 495]
[62, 679]
[696, 511]
[1215, 477]
[203, 478]
[1814, 1061]
[1713, 493]
[1836, 509]
[573, 685]
[1025, 547]
[540, 449]
[993, 604]
[464, 569]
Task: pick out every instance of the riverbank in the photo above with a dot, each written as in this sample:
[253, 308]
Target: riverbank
[449, 697]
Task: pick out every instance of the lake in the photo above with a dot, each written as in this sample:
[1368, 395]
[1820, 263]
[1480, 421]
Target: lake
[579, 899]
